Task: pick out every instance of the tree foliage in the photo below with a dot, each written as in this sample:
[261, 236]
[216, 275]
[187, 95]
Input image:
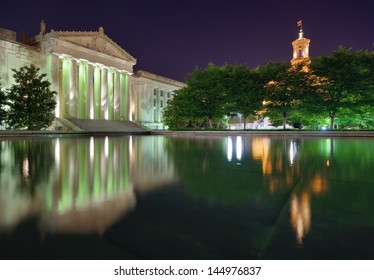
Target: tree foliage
[346, 81]
[31, 102]
[201, 104]
[244, 90]
[207, 93]
[285, 90]
[339, 88]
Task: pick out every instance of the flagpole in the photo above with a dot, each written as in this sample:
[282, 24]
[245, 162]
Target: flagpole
[300, 24]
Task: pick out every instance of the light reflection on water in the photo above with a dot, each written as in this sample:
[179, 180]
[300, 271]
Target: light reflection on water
[82, 185]
[85, 185]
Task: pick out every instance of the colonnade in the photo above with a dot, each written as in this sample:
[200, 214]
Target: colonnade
[92, 91]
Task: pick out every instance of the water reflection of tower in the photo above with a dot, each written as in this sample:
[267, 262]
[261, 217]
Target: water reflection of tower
[301, 215]
[286, 162]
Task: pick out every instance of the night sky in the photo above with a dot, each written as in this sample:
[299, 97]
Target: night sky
[170, 38]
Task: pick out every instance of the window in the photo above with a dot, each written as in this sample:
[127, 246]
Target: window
[155, 92]
[168, 94]
[161, 93]
[162, 104]
[154, 102]
[300, 53]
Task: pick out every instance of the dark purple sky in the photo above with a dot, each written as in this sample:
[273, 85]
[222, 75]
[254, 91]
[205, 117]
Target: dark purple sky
[170, 38]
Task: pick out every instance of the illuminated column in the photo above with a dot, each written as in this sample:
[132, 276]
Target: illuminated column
[104, 93]
[132, 102]
[90, 100]
[65, 86]
[117, 94]
[110, 93]
[137, 100]
[82, 89]
[56, 82]
[124, 96]
[97, 93]
[72, 109]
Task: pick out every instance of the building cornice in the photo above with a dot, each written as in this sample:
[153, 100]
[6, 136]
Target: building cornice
[98, 42]
[158, 78]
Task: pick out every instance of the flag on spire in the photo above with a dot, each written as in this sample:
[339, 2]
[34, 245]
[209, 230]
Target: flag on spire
[300, 23]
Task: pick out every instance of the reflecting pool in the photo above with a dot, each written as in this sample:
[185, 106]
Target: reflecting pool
[157, 197]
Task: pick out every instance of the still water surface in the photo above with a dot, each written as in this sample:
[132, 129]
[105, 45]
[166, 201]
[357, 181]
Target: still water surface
[156, 197]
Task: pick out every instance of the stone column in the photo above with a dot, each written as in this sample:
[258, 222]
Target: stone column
[90, 100]
[110, 93]
[83, 90]
[56, 82]
[72, 111]
[124, 97]
[104, 93]
[65, 86]
[97, 93]
[117, 94]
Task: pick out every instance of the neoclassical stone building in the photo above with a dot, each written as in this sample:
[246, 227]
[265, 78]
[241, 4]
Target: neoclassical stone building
[94, 77]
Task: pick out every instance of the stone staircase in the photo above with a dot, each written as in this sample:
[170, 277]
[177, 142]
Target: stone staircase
[108, 126]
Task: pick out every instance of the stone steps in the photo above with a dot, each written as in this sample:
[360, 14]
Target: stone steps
[107, 126]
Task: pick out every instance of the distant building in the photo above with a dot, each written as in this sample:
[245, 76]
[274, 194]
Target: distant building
[93, 76]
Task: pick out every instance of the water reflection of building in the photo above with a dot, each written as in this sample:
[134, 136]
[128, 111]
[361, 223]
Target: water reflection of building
[152, 167]
[92, 182]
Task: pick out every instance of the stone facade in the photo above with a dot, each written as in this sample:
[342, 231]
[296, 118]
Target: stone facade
[149, 96]
[93, 76]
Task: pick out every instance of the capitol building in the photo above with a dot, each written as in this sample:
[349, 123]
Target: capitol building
[93, 76]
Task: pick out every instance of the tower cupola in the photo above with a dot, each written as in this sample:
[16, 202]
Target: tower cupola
[300, 47]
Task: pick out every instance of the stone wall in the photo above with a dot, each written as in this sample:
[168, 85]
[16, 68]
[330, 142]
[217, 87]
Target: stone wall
[15, 55]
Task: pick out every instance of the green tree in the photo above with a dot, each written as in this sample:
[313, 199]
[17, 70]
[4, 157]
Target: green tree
[345, 81]
[244, 90]
[180, 111]
[31, 102]
[285, 88]
[206, 91]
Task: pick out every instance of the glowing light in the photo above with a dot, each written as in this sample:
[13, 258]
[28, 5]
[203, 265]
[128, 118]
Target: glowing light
[25, 168]
[293, 151]
[92, 149]
[239, 147]
[328, 163]
[130, 147]
[57, 153]
[229, 149]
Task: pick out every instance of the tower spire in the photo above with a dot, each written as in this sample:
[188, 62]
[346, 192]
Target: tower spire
[300, 24]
